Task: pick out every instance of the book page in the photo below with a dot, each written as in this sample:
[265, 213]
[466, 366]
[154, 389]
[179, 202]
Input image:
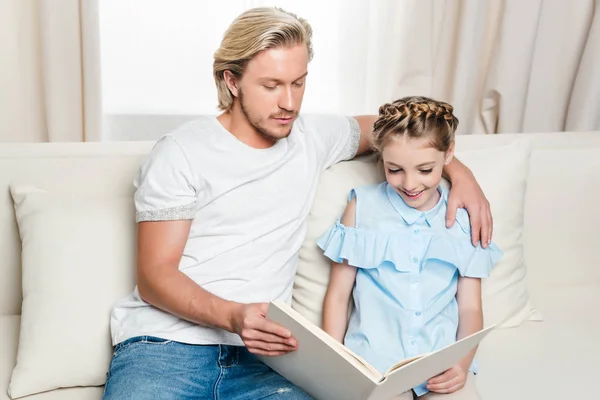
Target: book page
[425, 367]
[373, 371]
[321, 366]
[401, 364]
[364, 366]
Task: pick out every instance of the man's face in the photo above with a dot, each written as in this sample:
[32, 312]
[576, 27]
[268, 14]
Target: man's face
[271, 90]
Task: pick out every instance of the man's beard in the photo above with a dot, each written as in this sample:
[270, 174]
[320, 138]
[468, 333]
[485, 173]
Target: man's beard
[259, 129]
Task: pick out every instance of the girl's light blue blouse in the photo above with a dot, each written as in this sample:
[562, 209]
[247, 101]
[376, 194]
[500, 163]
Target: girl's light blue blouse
[408, 268]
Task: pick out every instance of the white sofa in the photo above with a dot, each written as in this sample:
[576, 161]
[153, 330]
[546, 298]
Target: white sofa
[557, 358]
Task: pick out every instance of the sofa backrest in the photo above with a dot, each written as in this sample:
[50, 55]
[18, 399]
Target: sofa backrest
[564, 167]
[561, 232]
[58, 167]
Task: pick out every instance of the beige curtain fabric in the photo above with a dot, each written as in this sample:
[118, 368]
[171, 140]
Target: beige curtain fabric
[506, 65]
[50, 71]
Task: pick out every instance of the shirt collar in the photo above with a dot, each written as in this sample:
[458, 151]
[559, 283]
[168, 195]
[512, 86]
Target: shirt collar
[411, 215]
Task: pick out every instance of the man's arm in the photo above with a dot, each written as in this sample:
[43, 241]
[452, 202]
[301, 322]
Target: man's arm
[366, 132]
[162, 284]
[466, 192]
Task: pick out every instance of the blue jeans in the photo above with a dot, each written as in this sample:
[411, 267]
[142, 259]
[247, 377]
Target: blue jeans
[151, 368]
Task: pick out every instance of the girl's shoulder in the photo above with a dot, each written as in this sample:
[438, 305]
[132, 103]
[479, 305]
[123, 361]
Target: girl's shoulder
[369, 190]
[462, 222]
[461, 226]
[454, 246]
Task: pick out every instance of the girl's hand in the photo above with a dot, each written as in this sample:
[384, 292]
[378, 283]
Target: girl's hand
[450, 381]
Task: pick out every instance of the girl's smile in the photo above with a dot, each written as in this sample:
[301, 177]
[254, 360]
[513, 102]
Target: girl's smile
[414, 168]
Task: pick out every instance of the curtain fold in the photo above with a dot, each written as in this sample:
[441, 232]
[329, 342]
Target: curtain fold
[584, 105]
[47, 93]
[505, 65]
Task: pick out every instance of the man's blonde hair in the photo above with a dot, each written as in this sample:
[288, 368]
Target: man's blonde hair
[253, 31]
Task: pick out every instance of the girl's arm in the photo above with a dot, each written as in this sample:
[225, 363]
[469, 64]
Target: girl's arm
[341, 282]
[335, 306]
[470, 321]
[470, 314]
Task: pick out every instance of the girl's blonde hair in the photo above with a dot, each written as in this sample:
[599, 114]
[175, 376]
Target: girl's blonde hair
[253, 31]
[415, 117]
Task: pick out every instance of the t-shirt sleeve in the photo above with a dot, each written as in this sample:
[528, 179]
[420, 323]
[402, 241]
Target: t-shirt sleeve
[166, 189]
[336, 137]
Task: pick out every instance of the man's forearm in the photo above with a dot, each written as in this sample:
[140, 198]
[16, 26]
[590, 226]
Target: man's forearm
[174, 292]
[456, 168]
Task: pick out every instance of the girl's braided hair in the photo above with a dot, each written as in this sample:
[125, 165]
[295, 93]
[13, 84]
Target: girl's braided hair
[416, 117]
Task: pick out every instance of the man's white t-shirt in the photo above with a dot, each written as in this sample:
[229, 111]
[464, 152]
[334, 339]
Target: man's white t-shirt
[249, 210]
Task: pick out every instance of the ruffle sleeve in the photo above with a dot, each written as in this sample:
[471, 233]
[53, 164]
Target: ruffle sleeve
[373, 249]
[364, 248]
[471, 262]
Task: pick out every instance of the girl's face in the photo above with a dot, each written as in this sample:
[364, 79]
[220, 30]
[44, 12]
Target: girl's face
[414, 169]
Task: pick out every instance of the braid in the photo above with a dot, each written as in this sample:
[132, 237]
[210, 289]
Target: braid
[416, 117]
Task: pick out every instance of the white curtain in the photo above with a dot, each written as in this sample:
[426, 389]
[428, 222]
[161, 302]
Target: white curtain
[50, 71]
[506, 65]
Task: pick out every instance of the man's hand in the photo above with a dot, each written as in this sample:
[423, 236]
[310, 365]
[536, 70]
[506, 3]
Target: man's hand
[450, 381]
[466, 193]
[260, 335]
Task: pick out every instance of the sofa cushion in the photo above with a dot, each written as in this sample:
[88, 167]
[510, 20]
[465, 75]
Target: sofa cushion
[9, 337]
[502, 173]
[562, 223]
[78, 258]
[99, 168]
[554, 359]
[79, 393]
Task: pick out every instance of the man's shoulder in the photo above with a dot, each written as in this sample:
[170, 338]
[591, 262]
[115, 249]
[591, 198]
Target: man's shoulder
[198, 130]
[183, 144]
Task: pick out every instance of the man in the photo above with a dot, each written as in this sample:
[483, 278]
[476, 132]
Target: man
[222, 205]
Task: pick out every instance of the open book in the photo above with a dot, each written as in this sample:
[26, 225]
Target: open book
[327, 370]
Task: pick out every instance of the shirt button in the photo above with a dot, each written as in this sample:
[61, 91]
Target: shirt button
[413, 342]
[417, 231]
[415, 260]
[418, 313]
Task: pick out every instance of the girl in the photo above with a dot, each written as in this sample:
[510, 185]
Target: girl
[415, 283]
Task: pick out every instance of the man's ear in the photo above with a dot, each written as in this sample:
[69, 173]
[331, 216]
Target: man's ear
[231, 81]
[449, 155]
